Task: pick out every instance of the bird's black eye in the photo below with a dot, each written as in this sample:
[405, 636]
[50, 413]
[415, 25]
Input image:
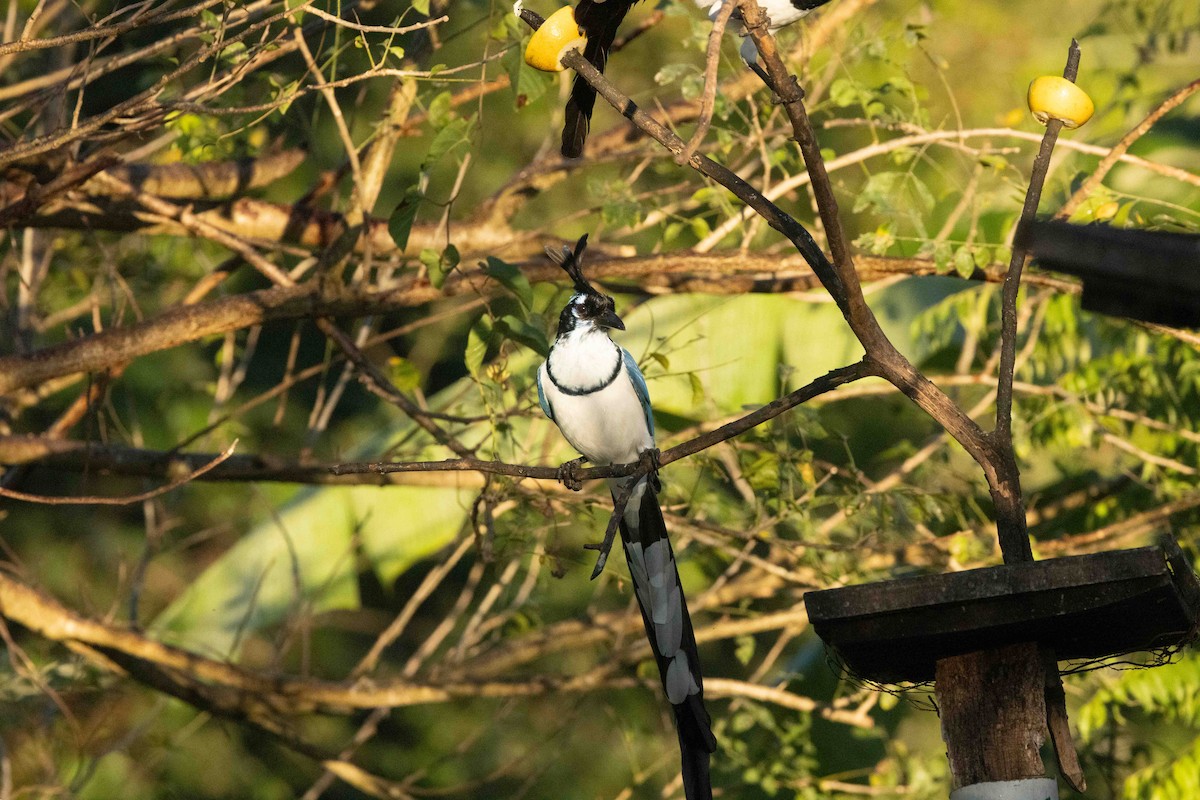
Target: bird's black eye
[590, 306]
[585, 306]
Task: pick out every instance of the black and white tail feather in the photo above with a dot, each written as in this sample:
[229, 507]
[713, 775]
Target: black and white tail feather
[669, 629]
[599, 20]
[592, 389]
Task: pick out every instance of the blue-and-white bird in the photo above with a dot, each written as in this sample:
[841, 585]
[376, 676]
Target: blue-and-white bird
[593, 390]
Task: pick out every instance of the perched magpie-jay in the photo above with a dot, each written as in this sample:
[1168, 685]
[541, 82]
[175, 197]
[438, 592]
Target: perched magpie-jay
[593, 390]
[599, 20]
[780, 12]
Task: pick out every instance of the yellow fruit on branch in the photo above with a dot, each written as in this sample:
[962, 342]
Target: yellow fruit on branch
[549, 43]
[1055, 97]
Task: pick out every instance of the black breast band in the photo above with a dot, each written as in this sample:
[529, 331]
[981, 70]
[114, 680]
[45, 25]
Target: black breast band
[589, 390]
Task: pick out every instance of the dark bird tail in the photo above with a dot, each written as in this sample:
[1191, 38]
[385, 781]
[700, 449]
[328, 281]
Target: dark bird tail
[669, 629]
[599, 22]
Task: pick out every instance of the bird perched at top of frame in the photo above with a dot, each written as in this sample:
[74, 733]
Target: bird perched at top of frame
[780, 12]
[593, 390]
[599, 20]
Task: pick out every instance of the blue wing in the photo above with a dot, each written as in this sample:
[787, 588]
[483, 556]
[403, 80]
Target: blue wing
[543, 402]
[639, 386]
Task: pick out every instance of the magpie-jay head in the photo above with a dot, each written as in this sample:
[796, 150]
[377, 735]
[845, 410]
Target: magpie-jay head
[587, 308]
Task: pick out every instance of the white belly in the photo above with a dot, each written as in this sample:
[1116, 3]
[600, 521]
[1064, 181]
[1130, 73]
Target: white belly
[607, 426]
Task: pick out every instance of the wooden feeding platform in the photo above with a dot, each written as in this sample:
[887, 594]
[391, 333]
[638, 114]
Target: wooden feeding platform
[1081, 607]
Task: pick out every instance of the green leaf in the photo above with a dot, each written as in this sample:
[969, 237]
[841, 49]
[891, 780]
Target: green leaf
[621, 214]
[403, 216]
[895, 193]
[440, 110]
[526, 83]
[941, 257]
[964, 262]
[524, 332]
[996, 163]
[745, 649]
[440, 264]
[897, 83]
[844, 92]
[878, 242]
[511, 278]
[306, 554]
[692, 86]
[674, 72]
[477, 344]
[432, 260]
[403, 373]
[450, 136]
[421, 6]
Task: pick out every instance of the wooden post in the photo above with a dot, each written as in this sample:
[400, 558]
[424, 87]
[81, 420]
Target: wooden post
[991, 638]
[993, 714]
[992, 703]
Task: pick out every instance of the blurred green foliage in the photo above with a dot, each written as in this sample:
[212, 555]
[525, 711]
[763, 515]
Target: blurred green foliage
[858, 487]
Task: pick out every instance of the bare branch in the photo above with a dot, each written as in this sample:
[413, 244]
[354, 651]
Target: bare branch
[725, 687]
[1012, 281]
[354, 26]
[86, 500]
[212, 180]
[712, 59]
[104, 31]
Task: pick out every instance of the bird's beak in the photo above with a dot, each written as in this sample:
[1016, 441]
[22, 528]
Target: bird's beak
[611, 320]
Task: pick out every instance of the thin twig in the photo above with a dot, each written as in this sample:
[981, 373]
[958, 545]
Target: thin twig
[712, 59]
[339, 119]
[345, 23]
[1012, 281]
[103, 31]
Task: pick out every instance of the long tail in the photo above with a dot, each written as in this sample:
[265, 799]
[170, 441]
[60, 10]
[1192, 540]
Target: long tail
[669, 629]
[599, 21]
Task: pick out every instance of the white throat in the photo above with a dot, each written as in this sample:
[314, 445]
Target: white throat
[583, 359]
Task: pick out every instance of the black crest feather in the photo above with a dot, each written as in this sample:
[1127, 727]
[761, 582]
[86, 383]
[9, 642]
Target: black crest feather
[571, 260]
